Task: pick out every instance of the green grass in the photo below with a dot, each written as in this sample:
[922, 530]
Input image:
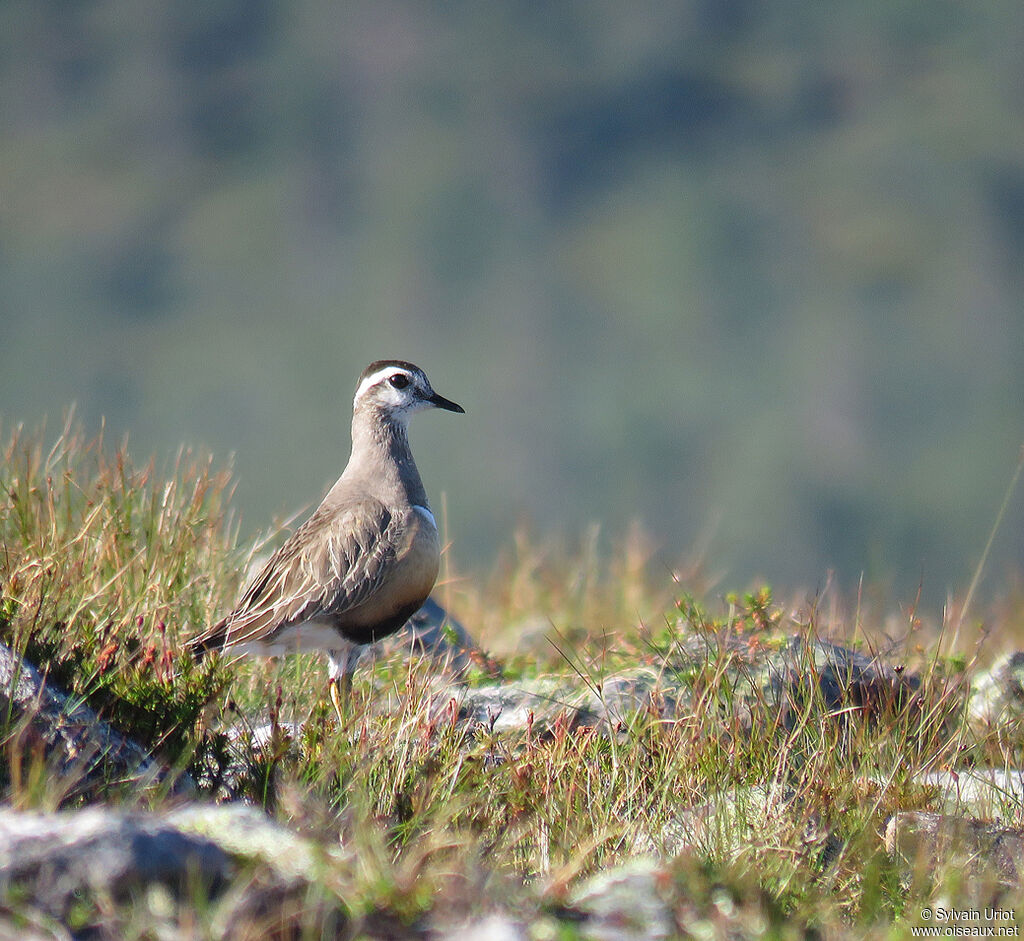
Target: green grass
[105, 567]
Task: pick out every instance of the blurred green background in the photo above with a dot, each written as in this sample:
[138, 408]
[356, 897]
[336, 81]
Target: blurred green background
[750, 273]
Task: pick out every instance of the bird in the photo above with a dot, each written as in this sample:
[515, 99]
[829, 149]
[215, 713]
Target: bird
[367, 557]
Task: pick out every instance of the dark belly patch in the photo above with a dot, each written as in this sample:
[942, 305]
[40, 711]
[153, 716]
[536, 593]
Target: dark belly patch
[370, 633]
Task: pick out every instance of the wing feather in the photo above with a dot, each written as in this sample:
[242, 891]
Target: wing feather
[332, 563]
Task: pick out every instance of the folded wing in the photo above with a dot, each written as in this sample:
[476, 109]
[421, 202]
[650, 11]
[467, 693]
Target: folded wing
[333, 563]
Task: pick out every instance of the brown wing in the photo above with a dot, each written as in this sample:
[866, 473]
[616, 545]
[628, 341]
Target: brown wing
[331, 564]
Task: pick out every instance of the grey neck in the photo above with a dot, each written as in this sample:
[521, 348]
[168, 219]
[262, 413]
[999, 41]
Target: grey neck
[382, 460]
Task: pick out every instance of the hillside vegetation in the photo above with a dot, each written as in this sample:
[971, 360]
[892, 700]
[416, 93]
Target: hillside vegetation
[107, 565]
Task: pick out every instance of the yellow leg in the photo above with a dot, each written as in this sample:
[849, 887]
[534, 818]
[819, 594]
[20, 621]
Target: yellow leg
[334, 682]
[341, 693]
[340, 678]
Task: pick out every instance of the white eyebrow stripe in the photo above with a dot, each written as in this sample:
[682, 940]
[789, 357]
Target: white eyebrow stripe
[376, 377]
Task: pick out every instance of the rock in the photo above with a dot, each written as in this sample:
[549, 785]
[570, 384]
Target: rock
[806, 670]
[76, 743]
[842, 677]
[978, 792]
[494, 927]
[625, 903]
[784, 674]
[432, 630]
[55, 863]
[527, 637]
[513, 706]
[542, 701]
[52, 859]
[246, 737]
[729, 819]
[997, 695]
[247, 833]
[926, 842]
[756, 815]
[623, 694]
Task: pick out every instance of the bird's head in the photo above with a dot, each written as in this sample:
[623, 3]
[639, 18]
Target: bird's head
[396, 389]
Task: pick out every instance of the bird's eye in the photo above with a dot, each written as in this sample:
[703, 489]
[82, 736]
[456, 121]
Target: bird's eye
[399, 381]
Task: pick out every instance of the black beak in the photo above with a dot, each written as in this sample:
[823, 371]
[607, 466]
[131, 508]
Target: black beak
[441, 402]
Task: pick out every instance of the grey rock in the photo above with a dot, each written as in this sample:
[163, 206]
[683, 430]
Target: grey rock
[261, 736]
[507, 707]
[76, 743]
[997, 695]
[728, 820]
[51, 862]
[493, 927]
[530, 635]
[434, 631]
[785, 674]
[541, 702]
[624, 904]
[247, 833]
[925, 842]
[760, 814]
[841, 676]
[808, 671]
[757, 670]
[978, 792]
[51, 858]
[623, 694]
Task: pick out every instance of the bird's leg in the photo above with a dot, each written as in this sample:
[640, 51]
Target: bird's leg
[342, 662]
[340, 687]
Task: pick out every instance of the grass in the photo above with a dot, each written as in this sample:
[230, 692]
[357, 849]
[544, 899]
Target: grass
[105, 567]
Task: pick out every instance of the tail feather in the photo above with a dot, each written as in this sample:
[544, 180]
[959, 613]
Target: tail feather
[211, 639]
